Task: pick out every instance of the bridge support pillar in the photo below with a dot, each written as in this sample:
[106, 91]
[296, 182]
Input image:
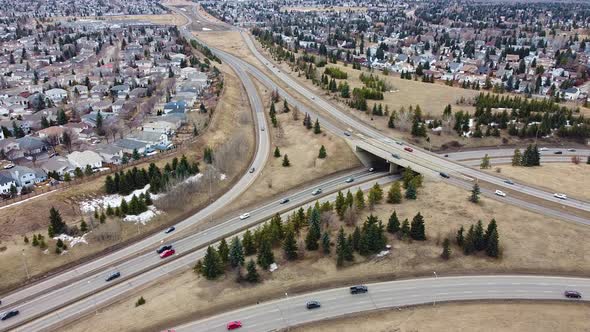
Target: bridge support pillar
[395, 168]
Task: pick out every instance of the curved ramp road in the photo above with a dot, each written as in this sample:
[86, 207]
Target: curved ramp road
[291, 311]
[100, 294]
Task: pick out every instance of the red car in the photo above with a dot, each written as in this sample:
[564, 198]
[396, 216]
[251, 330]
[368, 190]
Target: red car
[408, 149]
[234, 325]
[167, 253]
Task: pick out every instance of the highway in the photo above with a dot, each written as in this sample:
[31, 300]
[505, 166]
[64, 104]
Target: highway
[93, 292]
[291, 311]
[508, 153]
[83, 288]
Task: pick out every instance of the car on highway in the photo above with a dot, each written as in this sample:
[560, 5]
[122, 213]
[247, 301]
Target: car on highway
[444, 175]
[396, 156]
[167, 253]
[560, 196]
[349, 180]
[9, 314]
[170, 230]
[284, 200]
[358, 289]
[543, 149]
[252, 170]
[399, 142]
[317, 191]
[262, 128]
[558, 152]
[500, 193]
[313, 98]
[112, 276]
[571, 150]
[245, 216]
[236, 324]
[346, 133]
[571, 294]
[409, 149]
[371, 169]
[313, 304]
[508, 181]
[163, 248]
[446, 155]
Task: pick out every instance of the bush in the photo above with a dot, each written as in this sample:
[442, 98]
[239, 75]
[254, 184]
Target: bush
[140, 301]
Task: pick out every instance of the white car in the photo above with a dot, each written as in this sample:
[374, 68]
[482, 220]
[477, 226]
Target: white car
[245, 216]
[560, 196]
[543, 149]
[500, 193]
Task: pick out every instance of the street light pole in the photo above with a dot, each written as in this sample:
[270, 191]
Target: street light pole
[435, 278]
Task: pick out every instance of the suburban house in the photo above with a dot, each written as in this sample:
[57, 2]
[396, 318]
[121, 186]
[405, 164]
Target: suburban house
[31, 145]
[128, 145]
[6, 182]
[161, 127]
[84, 158]
[572, 93]
[110, 153]
[60, 165]
[22, 176]
[56, 95]
[152, 138]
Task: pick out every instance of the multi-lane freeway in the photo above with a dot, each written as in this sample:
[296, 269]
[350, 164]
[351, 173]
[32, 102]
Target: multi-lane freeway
[63, 297]
[291, 310]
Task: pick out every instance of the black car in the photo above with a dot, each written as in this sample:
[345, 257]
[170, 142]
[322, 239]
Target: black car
[572, 294]
[169, 230]
[164, 248]
[112, 276]
[9, 314]
[313, 304]
[358, 289]
[558, 152]
[444, 175]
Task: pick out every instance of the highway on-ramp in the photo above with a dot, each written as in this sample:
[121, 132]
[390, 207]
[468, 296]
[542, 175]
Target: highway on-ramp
[291, 310]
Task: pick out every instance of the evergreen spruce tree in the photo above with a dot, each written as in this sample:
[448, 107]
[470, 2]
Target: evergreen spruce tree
[223, 250]
[417, 231]
[340, 247]
[493, 246]
[340, 204]
[316, 127]
[252, 275]
[322, 154]
[411, 191]
[56, 222]
[212, 266]
[446, 253]
[393, 225]
[474, 198]
[286, 162]
[83, 227]
[349, 199]
[265, 255]
[485, 162]
[491, 227]
[469, 242]
[517, 158]
[326, 243]
[394, 195]
[236, 253]
[356, 239]
[277, 152]
[459, 238]
[314, 232]
[359, 200]
[478, 237]
[248, 243]
[290, 244]
[405, 229]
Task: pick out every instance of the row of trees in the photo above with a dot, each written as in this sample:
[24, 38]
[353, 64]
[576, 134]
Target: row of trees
[476, 240]
[125, 182]
[531, 157]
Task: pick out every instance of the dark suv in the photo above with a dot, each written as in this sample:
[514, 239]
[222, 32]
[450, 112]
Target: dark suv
[112, 276]
[358, 289]
[572, 294]
[9, 314]
[164, 248]
[313, 304]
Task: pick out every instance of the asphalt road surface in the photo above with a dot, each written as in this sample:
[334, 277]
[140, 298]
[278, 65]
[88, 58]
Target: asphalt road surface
[93, 292]
[291, 310]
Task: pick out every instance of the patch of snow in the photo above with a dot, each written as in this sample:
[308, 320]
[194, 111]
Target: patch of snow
[143, 217]
[206, 29]
[383, 253]
[193, 178]
[273, 267]
[72, 240]
[222, 177]
[112, 200]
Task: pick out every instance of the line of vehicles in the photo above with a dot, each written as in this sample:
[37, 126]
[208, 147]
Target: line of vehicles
[361, 289]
